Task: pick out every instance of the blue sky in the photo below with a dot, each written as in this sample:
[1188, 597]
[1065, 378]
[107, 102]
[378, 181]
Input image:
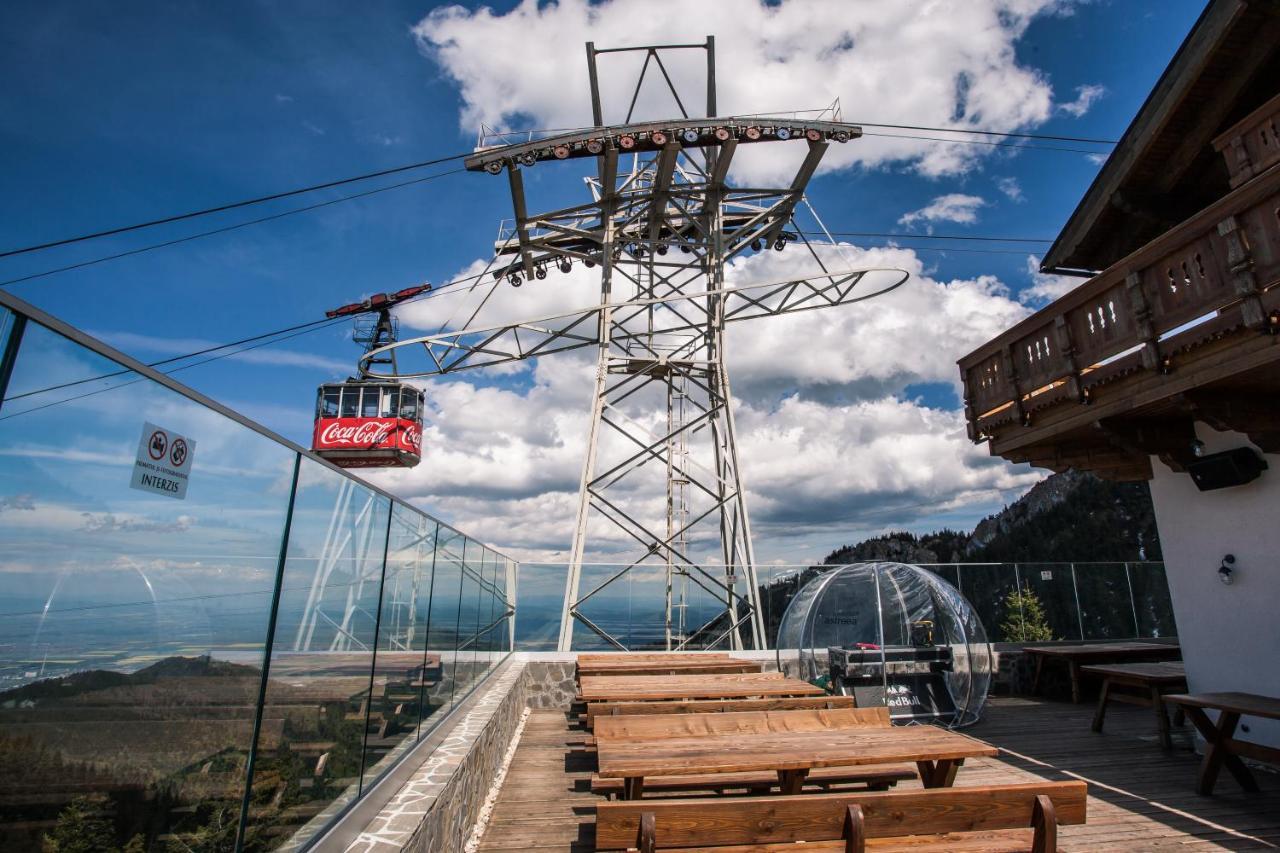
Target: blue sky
[113, 113]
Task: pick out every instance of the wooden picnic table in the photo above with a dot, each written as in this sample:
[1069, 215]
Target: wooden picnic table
[1140, 684]
[937, 753]
[1098, 653]
[1221, 747]
[633, 688]
[596, 657]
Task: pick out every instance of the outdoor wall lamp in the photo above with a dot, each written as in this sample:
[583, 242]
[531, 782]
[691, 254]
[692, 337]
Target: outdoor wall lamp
[1225, 572]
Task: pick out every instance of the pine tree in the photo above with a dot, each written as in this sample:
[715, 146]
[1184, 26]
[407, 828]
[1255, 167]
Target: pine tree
[1024, 618]
[81, 828]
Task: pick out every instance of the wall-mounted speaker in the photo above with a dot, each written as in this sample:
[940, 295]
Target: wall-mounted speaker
[1228, 468]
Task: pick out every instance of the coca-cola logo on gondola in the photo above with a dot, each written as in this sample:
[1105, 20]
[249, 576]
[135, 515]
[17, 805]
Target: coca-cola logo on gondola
[371, 433]
[364, 434]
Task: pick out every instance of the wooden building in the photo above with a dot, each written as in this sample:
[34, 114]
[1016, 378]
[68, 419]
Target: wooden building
[1164, 364]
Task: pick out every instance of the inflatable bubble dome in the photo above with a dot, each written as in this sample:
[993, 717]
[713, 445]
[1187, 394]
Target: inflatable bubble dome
[890, 634]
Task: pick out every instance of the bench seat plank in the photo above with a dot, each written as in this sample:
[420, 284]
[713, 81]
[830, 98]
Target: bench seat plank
[991, 841]
[872, 775]
[664, 726]
[820, 817]
[705, 706]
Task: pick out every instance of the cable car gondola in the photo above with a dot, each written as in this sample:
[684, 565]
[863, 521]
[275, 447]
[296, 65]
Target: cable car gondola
[365, 422]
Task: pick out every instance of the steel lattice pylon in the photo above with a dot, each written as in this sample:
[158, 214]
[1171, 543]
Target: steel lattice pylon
[661, 224]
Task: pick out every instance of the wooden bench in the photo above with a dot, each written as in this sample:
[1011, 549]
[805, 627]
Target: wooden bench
[989, 818]
[658, 727]
[1140, 684]
[876, 777]
[709, 667]
[710, 706]
[1222, 749]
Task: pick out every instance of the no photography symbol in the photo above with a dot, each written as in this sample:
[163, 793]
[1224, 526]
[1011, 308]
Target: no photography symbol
[158, 444]
[178, 453]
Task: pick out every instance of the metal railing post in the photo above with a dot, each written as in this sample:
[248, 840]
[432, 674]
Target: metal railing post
[1133, 605]
[1075, 589]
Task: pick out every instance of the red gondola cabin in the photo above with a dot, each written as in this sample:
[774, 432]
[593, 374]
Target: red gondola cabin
[369, 424]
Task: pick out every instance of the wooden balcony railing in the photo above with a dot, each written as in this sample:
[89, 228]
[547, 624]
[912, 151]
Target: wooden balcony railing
[1251, 146]
[1212, 276]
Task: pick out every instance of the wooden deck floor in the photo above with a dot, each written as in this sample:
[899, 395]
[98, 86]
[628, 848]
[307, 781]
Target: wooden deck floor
[1140, 797]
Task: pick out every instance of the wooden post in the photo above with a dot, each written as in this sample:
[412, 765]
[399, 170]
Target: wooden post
[1142, 322]
[1067, 352]
[855, 834]
[1044, 819]
[647, 837]
[1243, 281]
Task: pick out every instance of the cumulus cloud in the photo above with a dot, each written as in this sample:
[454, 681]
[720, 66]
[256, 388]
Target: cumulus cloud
[950, 64]
[107, 522]
[1045, 287]
[22, 501]
[1086, 96]
[827, 429]
[1011, 188]
[952, 207]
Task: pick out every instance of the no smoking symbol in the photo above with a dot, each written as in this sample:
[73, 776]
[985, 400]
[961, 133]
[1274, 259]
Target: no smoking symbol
[178, 453]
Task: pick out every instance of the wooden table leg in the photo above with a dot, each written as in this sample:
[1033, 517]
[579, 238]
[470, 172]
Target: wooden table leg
[1216, 753]
[792, 781]
[1162, 717]
[939, 774]
[1035, 679]
[1075, 682]
[632, 787]
[1099, 714]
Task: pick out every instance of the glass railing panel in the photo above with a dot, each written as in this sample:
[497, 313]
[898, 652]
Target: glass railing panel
[1106, 607]
[468, 618]
[949, 573]
[987, 587]
[317, 706]
[496, 612]
[1151, 600]
[443, 634]
[1049, 602]
[401, 674]
[539, 597]
[132, 623]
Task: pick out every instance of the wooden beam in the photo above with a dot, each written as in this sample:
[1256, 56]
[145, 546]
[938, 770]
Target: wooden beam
[1256, 415]
[1170, 438]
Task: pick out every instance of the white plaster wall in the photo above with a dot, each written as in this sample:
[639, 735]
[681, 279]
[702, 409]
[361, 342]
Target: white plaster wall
[1230, 635]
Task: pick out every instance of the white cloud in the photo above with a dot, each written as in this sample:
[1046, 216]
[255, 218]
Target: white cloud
[1011, 188]
[1086, 96]
[950, 64]
[820, 394]
[1046, 287]
[952, 207]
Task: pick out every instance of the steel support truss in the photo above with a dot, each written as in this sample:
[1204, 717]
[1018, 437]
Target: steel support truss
[661, 225]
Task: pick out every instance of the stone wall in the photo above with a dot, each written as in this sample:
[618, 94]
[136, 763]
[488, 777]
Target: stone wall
[436, 808]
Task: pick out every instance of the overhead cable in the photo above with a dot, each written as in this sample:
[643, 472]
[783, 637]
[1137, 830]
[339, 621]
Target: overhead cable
[226, 228]
[66, 241]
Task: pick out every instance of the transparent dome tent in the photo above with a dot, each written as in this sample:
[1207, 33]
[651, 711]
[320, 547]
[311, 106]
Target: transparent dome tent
[890, 634]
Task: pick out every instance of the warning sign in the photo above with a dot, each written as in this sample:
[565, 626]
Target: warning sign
[164, 462]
